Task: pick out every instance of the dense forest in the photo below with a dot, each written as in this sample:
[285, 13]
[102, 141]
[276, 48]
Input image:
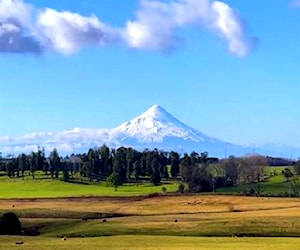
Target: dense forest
[196, 172]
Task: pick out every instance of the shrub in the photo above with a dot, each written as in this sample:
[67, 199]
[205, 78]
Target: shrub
[181, 188]
[10, 224]
[114, 180]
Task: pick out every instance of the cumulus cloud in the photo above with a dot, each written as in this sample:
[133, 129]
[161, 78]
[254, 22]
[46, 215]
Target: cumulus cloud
[156, 26]
[157, 22]
[16, 32]
[228, 23]
[67, 32]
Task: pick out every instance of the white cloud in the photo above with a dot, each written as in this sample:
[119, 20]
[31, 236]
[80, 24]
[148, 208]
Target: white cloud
[230, 26]
[153, 28]
[156, 27]
[67, 32]
[157, 22]
[15, 10]
[66, 142]
[16, 31]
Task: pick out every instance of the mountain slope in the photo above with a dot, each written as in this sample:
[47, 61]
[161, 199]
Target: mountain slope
[155, 128]
[154, 125]
[158, 128]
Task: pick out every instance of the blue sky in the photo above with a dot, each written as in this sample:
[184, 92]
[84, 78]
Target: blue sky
[242, 95]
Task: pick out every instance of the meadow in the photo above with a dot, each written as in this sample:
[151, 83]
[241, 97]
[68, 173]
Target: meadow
[45, 187]
[273, 186]
[150, 243]
[186, 215]
[156, 222]
[95, 216]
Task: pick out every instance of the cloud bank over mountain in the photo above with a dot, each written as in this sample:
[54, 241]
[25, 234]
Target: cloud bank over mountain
[155, 128]
[67, 141]
[157, 24]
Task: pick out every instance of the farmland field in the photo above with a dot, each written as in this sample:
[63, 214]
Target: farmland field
[150, 243]
[188, 215]
[94, 216]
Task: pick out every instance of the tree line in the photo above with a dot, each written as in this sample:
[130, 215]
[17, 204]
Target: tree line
[197, 172]
[116, 165]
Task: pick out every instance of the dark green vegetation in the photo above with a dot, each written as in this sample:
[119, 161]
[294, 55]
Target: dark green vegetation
[125, 169]
[10, 224]
[113, 166]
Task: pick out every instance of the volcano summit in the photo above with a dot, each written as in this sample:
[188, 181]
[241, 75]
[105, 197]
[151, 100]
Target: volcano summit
[155, 128]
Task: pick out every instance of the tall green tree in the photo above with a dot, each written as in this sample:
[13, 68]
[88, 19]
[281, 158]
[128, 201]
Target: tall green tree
[163, 162]
[22, 164]
[40, 158]
[195, 174]
[137, 170]
[11, 166]
[91, 161]
[174, 161]
[130, 155]
[155, 177]
[106, 168]
[54, 163]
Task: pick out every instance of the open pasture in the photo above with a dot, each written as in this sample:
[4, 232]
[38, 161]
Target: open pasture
[45, 187]
[188, 215]
[275, 185]
[149, 243]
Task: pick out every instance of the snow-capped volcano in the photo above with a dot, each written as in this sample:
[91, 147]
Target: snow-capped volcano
[154, 125]
[155, 128]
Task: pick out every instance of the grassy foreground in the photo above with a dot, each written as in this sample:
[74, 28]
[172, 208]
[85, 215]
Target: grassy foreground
[150, 242]
[161, 222]
[188, 215]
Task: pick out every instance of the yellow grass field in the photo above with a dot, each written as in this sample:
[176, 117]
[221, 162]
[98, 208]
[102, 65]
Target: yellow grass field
[150, 243]
[167, 221]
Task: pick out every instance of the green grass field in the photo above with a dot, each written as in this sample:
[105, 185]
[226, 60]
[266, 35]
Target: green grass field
[94, 216]
[150, 243]
[274, 186]
[46, 187]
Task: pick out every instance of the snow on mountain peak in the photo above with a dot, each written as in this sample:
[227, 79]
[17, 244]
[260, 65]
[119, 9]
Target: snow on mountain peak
[154, 125]
[155, 128]
[155, 111]
[158, 113]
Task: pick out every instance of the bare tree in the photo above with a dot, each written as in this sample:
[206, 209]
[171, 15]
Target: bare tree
[252, 170]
